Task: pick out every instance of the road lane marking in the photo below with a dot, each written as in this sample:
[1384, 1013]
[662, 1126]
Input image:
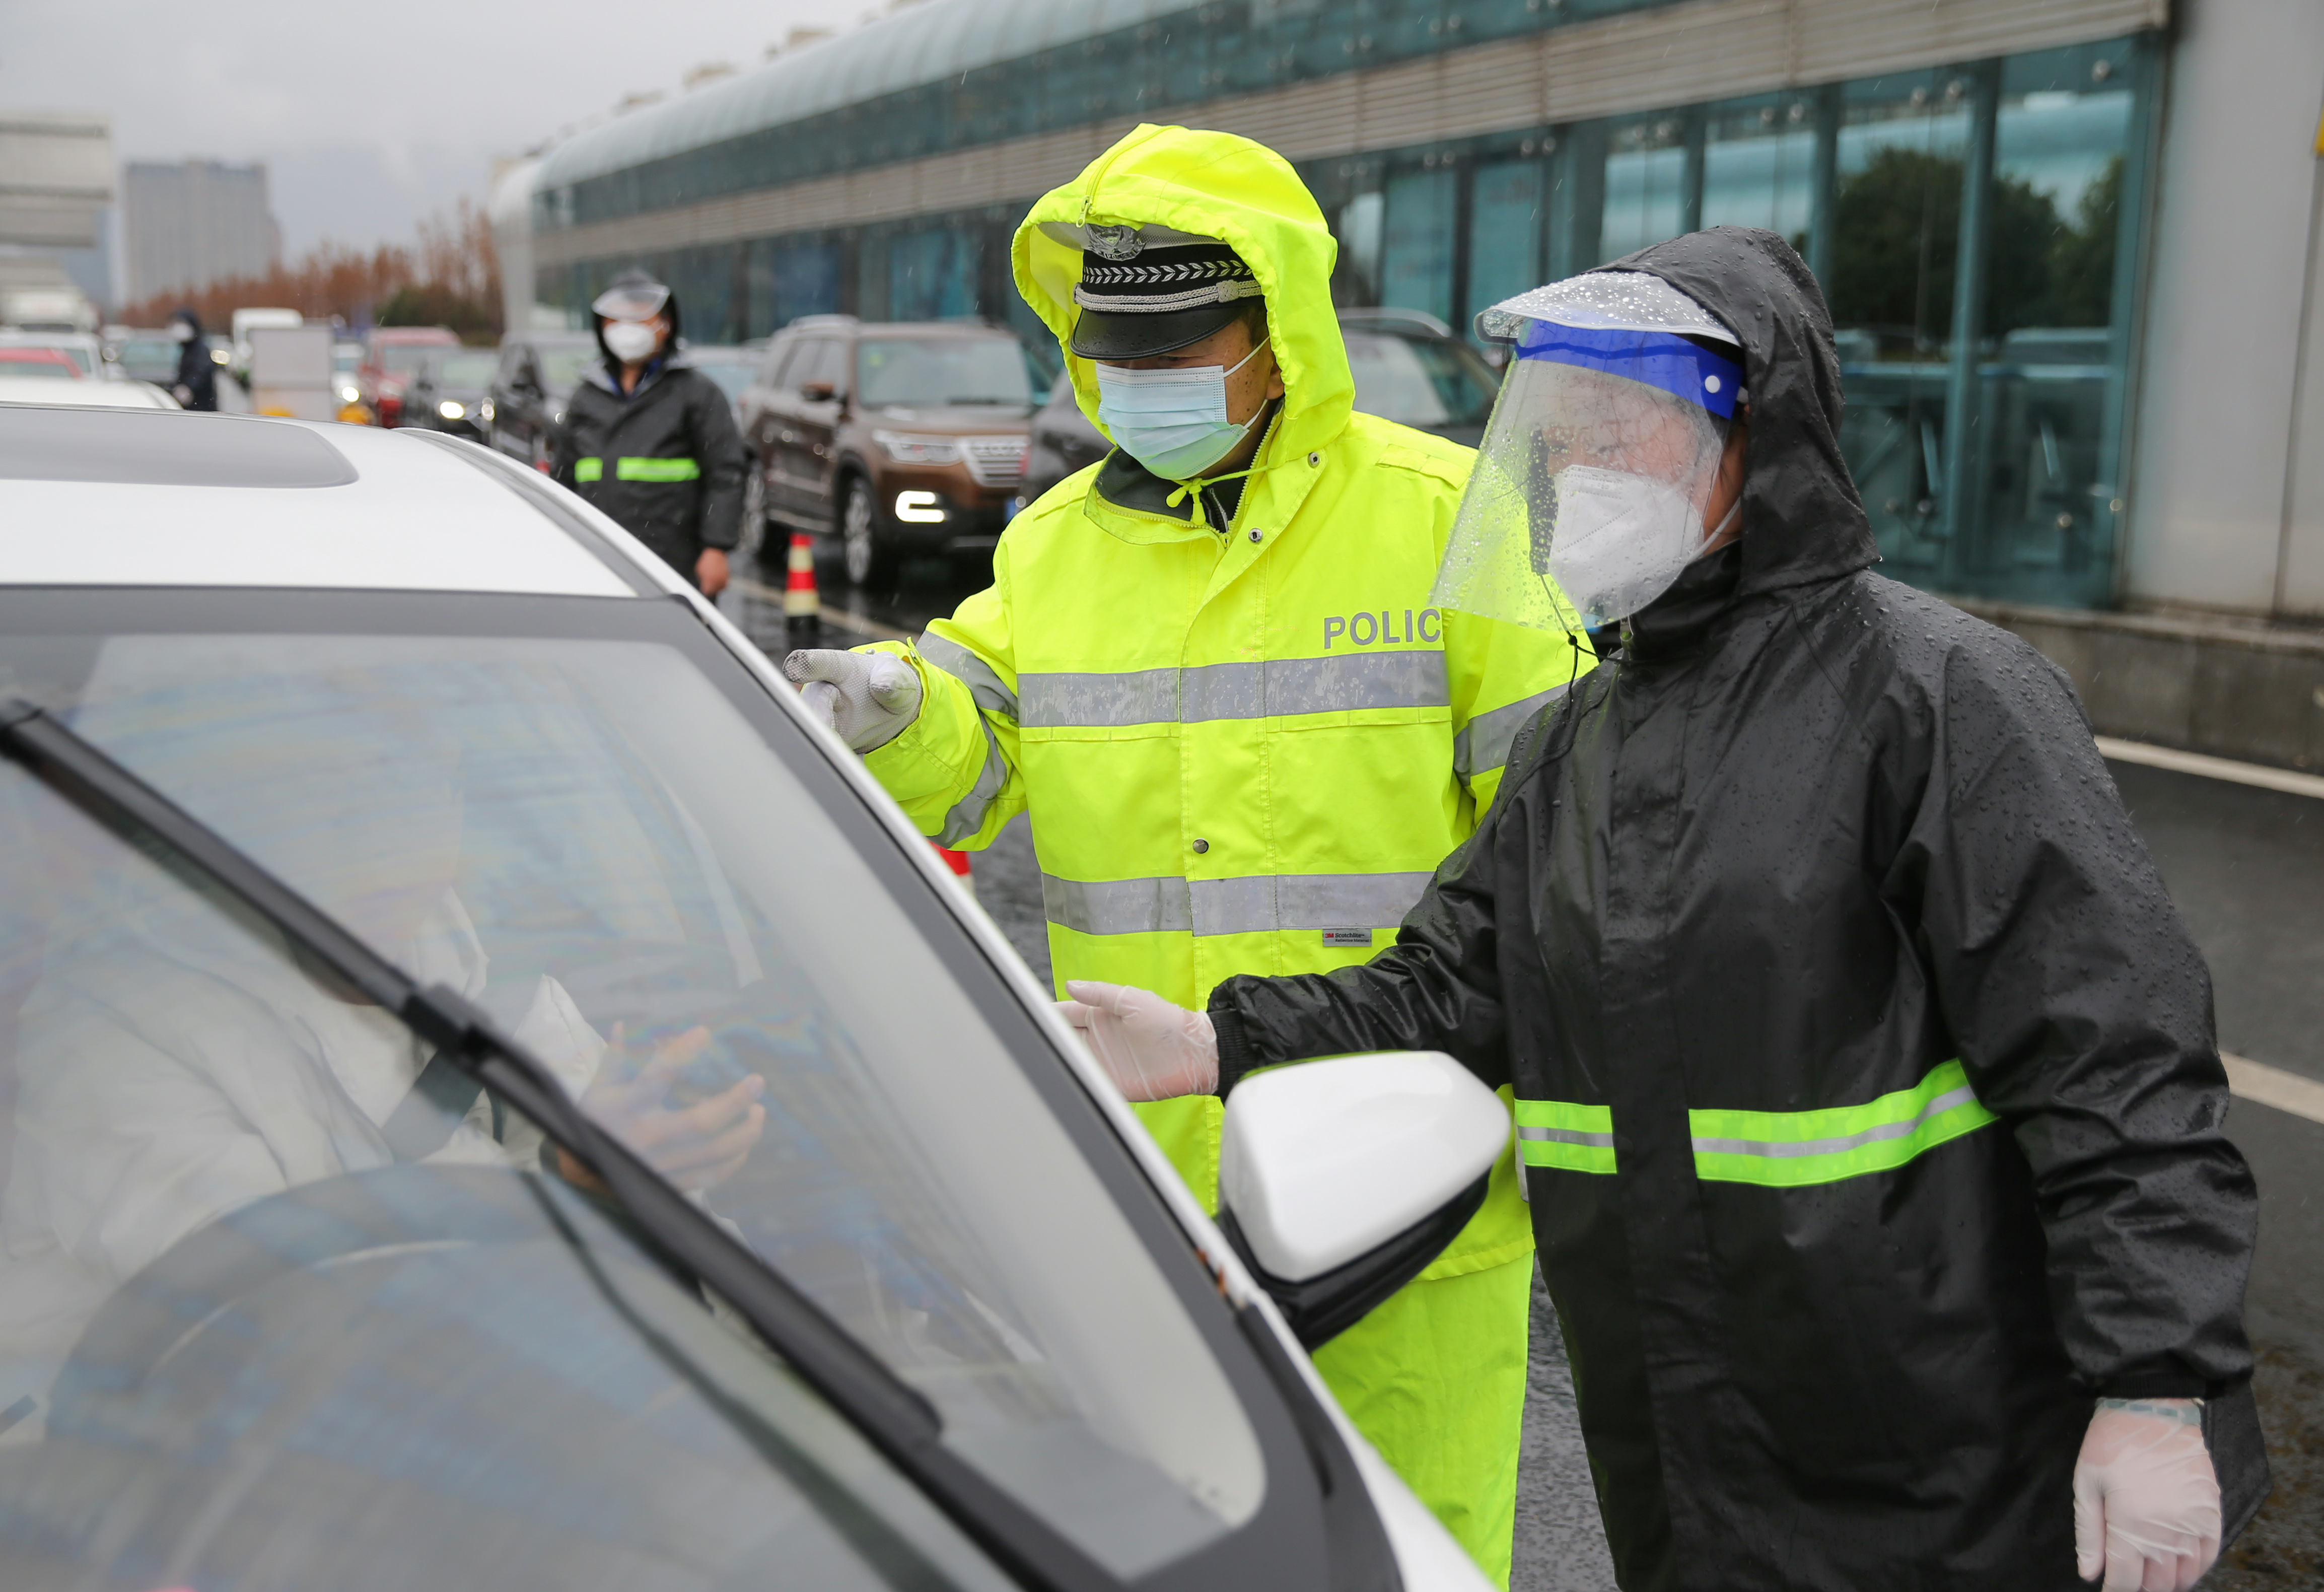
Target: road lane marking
[2214, 768]
[860, 623]
[2271, 1086]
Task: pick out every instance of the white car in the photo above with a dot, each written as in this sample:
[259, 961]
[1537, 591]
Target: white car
[499, 1098]
[122, 393]
[85, 349]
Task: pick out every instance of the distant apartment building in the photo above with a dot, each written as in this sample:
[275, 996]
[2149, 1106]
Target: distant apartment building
[189, 224]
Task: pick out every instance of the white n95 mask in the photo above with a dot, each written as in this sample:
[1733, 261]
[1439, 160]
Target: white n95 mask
[1618, 540]
[1173, 421]
[631, 340]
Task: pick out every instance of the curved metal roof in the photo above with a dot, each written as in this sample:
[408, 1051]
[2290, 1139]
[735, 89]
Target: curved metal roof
[919, 44]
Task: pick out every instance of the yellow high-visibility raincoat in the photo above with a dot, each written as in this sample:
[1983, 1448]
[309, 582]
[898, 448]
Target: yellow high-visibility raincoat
[1246, 748]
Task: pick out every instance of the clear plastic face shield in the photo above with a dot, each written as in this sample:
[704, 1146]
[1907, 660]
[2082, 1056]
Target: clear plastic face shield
[631, 300]
[1597, 468]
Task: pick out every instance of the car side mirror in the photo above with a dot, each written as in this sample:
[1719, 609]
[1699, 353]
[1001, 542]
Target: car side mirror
[818, 391]
[1341, 1180]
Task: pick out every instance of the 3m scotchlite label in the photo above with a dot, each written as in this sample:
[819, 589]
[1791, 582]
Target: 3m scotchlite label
[1484, 741]
[1273, 687]
[1795, 1149]
[656, 469]
[1258, 903]
[585, 470]
[1566, 1136]
[984, 686]
[967, 815]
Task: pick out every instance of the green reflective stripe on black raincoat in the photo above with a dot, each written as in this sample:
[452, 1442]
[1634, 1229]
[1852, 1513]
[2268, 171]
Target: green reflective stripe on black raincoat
[586, 470]
[1870, 1101]
[1228, 772]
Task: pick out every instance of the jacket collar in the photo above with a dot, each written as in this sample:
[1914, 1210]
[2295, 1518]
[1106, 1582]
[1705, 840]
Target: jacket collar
[608, 378]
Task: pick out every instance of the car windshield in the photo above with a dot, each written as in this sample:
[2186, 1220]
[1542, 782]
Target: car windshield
[931, 371]
[143, 354]
[404, 358]
[573, 814]
[37, 362]
[561, 367]
[1419, 380]
[733, 372]
[466, 370]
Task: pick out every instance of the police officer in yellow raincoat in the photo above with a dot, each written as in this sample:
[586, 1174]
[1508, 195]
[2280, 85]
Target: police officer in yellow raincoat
[1208, 667]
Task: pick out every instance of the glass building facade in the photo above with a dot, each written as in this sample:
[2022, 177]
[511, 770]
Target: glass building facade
[1976, 228]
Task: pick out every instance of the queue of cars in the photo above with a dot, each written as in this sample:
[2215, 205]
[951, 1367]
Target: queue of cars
[449, 1135]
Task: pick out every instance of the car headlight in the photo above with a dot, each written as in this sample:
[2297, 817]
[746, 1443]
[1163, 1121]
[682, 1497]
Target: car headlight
[485, 410]
[919, 508]
[905, 448]
[350, 395]
[450, 410]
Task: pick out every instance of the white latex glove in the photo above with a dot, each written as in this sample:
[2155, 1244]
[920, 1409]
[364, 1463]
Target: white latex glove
[2146, 1501]
[869, 697]
[1153, 1050]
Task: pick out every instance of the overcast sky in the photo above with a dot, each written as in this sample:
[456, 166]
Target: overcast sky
[368, 117]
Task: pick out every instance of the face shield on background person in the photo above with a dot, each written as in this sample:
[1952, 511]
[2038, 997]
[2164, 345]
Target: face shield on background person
[628, 308]
[1591, 487]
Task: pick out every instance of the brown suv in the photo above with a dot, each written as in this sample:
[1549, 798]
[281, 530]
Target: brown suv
[904, 438]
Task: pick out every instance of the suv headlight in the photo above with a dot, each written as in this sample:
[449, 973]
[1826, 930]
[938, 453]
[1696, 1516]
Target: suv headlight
[905, 448]
[450, 410]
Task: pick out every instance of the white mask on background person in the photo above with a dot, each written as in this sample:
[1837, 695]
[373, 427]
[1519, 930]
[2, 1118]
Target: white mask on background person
[1619, 541]
[631, 340]
[1173, 421]
[180, 332]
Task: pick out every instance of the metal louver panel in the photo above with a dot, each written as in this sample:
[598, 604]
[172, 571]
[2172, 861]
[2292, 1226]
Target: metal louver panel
[1640, 60]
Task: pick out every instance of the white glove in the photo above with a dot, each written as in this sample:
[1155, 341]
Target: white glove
[1153, 1050]
[869, 697]
[2146, 1501]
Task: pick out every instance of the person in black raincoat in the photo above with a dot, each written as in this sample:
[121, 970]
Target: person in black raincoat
[196, 385]
[652, 442]
[1867, 1078]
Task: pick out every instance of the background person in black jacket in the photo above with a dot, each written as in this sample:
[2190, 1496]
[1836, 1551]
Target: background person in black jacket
[652, 442]
[196, 386]
[1866, 1083]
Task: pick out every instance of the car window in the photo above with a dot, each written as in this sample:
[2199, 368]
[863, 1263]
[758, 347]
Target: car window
[405, 358]
[1419, 380]
[585, 834]
[561, 367]
[729, 369]
[228, 1294]
[771, 375]
[949, 370]
[820, 359]
[463, 370]
[37, 362]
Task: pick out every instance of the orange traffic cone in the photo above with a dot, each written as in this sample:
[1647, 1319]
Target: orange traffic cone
[802, 608]
[957, 861]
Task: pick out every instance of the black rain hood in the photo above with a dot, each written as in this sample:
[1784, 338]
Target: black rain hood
[1801, 518]
[669, 308]
[1866, 1080]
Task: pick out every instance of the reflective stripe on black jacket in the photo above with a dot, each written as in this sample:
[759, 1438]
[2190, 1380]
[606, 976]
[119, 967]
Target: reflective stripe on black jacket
[1866, 1077]
[666, 462]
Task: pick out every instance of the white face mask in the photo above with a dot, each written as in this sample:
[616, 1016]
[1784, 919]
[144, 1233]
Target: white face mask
[631, 340]
[180, 332]
[1619, 541]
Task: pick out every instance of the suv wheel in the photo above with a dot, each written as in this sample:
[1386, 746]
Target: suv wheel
[867, 555]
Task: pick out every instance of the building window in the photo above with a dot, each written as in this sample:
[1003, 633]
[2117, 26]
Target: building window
[1415, 269]
[1504, 233]
[932, 274]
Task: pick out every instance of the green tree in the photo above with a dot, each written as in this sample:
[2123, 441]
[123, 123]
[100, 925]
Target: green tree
[1898, 234]
[2081, 258]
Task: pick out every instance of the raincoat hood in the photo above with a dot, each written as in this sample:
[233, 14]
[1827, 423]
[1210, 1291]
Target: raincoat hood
[1803, 521]
[1211, 185]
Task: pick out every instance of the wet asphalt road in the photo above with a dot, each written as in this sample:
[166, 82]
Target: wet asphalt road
[2246, 868]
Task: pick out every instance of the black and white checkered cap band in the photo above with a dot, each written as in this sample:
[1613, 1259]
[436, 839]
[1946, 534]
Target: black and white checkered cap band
[1160, 281]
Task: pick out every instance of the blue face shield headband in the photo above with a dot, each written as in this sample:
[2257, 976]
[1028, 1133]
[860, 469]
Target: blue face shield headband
[1664, 360]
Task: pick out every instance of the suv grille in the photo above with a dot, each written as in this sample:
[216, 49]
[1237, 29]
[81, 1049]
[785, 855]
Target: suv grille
[995, 461]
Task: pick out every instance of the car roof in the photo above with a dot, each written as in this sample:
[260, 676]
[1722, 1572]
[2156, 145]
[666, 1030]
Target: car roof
[92, 395]
[129, 497]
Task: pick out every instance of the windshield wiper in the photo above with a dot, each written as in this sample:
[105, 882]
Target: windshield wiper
[892, 1416]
